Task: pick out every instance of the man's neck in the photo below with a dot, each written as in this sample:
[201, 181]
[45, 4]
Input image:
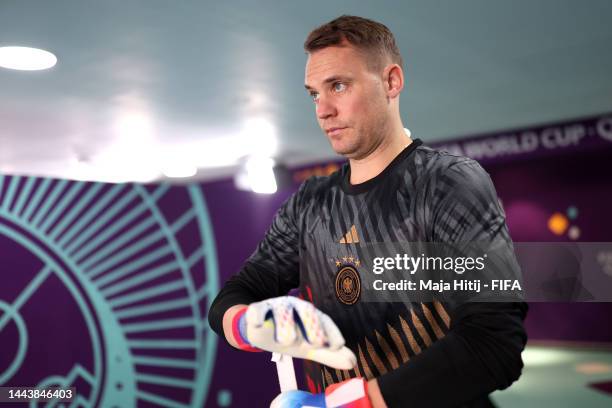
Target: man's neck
[373, 164]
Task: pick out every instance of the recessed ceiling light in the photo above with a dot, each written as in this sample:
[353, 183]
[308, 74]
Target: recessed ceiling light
[26, 58]
[180, 170]
[260, 175]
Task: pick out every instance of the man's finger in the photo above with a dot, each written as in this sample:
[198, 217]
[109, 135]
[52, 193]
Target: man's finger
[285, 328]
[310, 321]
[342, 359]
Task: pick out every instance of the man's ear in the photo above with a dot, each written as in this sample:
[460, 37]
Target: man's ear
[393, 77]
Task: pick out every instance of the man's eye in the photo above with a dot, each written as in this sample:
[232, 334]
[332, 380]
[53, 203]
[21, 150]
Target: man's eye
[339, 87]
[314, 96]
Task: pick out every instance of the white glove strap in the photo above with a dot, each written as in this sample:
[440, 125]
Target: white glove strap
[286, 372]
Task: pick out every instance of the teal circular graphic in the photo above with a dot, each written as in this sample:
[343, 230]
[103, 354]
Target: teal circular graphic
[106, 289]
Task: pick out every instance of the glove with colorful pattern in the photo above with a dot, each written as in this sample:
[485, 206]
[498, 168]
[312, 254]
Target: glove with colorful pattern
[351, 393]
[295, 327]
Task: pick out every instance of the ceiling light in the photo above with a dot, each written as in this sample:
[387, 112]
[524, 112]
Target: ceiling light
[179, 170]
[26, 59]
[260, 137]
[257, 175]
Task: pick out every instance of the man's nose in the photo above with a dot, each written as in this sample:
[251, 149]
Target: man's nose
[325, 108]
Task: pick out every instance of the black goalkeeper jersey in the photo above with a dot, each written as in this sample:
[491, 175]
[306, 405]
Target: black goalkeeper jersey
[430, 354]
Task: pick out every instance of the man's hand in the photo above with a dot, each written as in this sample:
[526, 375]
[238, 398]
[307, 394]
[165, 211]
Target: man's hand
[351, 393]
[292, 326]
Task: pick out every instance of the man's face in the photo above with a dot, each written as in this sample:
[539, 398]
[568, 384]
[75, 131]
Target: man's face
[350, 100]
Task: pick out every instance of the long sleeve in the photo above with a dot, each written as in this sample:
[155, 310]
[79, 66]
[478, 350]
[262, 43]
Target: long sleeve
[480, 354]
[482, 350]
[271, 271]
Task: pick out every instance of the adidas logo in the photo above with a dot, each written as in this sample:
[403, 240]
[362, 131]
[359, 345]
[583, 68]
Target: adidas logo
[350, 237]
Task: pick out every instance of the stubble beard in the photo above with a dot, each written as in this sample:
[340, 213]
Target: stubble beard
[348, 146]
[367, 140]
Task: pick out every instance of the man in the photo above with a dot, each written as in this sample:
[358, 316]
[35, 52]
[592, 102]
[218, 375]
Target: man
[393, 189]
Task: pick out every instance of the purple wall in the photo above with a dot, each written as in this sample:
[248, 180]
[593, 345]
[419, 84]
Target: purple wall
[240, 220]
[532, 190]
